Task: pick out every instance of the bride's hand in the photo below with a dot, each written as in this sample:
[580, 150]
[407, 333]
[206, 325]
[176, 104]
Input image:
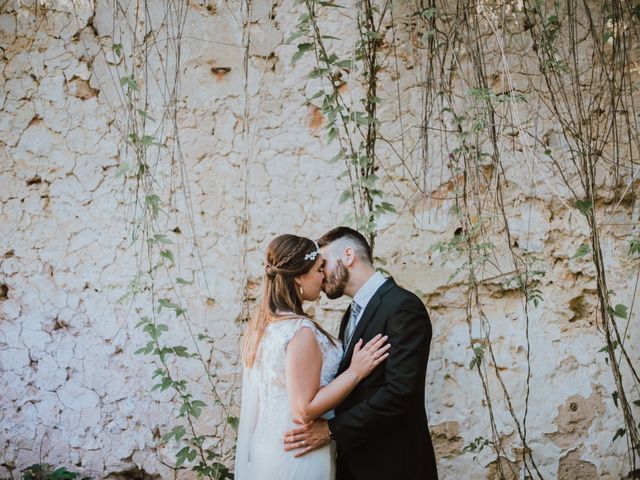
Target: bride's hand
[366, 358]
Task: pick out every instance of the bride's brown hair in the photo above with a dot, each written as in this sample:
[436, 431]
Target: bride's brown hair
[287, 258]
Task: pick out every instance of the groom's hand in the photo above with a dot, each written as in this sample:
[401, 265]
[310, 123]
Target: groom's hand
[307, 438]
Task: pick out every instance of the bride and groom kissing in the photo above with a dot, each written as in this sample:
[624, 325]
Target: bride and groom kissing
[319, 408]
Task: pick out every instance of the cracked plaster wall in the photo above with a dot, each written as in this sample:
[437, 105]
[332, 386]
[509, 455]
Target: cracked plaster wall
[72, 392]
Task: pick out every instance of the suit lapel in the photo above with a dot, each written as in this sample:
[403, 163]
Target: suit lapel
[367, 315]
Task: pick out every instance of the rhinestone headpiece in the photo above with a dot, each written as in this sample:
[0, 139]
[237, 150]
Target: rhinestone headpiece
[312, 256]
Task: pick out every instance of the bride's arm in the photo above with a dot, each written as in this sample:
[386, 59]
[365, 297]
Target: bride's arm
[304, 362]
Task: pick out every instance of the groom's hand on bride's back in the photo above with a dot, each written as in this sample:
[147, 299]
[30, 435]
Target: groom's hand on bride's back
[307, 438]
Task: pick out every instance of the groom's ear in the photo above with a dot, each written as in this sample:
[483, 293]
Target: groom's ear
[348, 255]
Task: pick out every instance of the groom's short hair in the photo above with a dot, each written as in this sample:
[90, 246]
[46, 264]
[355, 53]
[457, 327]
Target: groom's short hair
[362, 248]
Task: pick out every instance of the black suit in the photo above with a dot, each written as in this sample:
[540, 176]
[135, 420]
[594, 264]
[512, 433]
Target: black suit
[381, 428]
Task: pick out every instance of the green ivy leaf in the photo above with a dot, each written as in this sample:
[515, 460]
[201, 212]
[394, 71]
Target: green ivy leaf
[302, 49]
[348, 64]
[143, 320]
[153, 201]
[295, 36]
[372, 34]
[583, 206]
[176, 432]
[181, 456]
[168, 254]
[338, 156]
[318, 72]
[333, 133]
[346, 195]
[619, 434]
[144, 114]
[129, 83]
[181, 351]
[619, 311]
[166, 303]
[583, 250]
[148, 140]
[233, 422]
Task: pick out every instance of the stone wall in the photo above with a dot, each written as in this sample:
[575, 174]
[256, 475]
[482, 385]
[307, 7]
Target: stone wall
[245, 158]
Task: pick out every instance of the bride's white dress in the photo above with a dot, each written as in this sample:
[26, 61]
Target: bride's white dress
[266, 415]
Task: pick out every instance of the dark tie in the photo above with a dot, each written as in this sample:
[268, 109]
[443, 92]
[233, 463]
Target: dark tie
[351, 326]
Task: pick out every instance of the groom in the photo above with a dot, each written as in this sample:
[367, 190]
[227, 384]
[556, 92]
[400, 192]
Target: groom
[381, 428]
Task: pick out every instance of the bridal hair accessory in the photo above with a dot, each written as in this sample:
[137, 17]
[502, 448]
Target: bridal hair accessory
[312, 256]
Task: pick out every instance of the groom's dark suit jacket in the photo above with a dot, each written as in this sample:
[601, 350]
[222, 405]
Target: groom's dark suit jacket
[381, 428]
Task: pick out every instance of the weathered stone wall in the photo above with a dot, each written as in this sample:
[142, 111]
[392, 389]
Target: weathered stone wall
[251, 163]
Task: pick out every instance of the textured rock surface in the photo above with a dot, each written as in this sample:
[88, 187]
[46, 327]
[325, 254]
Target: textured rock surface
[72, 391]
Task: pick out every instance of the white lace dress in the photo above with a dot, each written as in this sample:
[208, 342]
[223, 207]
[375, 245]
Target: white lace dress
[266, 414]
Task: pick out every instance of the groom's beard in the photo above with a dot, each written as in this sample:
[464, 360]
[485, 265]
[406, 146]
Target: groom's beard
[336, 283]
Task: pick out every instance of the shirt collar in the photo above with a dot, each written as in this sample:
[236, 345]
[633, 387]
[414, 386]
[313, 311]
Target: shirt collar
[366, 291]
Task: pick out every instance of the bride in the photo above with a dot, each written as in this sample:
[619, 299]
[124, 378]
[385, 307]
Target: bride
[289, 367]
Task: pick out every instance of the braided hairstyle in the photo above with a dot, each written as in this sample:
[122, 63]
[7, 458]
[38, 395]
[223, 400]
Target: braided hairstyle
[287, 258]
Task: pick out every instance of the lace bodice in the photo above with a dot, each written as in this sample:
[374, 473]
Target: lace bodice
[271, 358]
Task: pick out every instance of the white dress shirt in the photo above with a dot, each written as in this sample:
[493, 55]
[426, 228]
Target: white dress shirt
[366, 291]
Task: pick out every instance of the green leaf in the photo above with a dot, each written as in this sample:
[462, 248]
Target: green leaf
[372, 34]
[362, 119]
[168, 254]
[166, 303]
[129, 82]
[160, 238]
[634, 248]
[117, 49]
[349, 64]
[636, 403]
[295, 36]
[615, 398]
[387, 207]
[346, 195]
[583, 206]
[333, 133]
[619, 311]
[176, 432]
[428, 13]
[181, 351]
[318, 72]
[330, 4]
[583, 250]
[233, 422]
[338, 156]
[144, 114]
[619, 434]
[318, 94]
[143, 321]
[181, 456]
[182, 281]
[148, 140]
[302, 49]
[153, 201]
